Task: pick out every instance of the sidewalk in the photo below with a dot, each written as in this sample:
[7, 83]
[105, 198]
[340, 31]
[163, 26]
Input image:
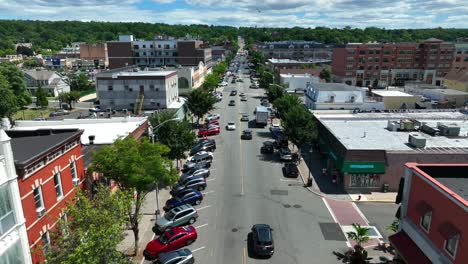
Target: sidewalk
[146, 223]
[374, 197]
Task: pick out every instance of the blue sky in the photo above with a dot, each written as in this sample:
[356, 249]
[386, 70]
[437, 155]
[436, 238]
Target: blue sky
[267, 13]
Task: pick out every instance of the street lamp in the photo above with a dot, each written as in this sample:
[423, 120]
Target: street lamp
[152, 134]
[309, 180]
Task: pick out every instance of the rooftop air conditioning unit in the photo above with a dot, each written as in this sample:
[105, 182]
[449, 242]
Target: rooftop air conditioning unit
[392, 125]
[431, 130]
[417, 141]
[76, 181]
[451, 130]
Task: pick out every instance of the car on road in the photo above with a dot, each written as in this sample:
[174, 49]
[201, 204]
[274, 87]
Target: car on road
[253, 86]
[212, 122]
[232, 103]
[195, 165]
[243, 99]
[231, 125]
[223, 84]
[209, 132]
[290, 170]
[262, 237]
[233, 81]
[240, 80]
[233, 93]
[195, 183]
[246, 134]
[276, 132]
[285, 154]
[204, 146]
[242, 94]
[180, 256]
[194, 198]
[172, 239]
[179, 216]
[267, 148]
[60, 112]
[245, 117]
[201, 156]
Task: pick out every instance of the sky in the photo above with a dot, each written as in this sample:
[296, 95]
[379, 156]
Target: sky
[244, 13]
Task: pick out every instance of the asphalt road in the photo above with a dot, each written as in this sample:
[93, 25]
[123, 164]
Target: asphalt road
[380, 215]
[247, 188]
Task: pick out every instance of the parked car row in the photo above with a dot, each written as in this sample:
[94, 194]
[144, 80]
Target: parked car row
[175, 228]
[211, 126]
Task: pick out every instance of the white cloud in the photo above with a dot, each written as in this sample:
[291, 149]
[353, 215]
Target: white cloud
[164, 1]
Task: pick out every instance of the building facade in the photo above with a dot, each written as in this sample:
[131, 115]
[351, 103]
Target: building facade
[49, 165]
[297, 82]
[383, 64]
[395, 99]
[95, 52]
[295, 50]
[433, 227]
[137, 90]
[460, 60]
[52, 83]
[14, 248]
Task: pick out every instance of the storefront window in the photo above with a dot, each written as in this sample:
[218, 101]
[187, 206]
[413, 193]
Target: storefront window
[364, 180]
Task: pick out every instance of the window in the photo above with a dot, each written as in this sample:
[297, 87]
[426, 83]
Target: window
[39, 201]
[426, 221]
[350, 51]
[7, 215]
[110, 88]
[58, 185]
[74, 173]
[46, 242]
[451, 245]
[151, 87]
[362, 52]
[14, 254]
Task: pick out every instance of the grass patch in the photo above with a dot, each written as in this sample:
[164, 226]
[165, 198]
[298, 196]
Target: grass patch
[86, 92]
[29, 114]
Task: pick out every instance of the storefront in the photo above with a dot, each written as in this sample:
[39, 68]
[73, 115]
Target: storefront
[363, 174]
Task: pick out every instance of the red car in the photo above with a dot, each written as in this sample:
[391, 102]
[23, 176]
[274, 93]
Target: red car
[173, 239]
[209, 132]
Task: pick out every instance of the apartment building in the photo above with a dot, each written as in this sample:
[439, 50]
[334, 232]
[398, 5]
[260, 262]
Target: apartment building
[460, 60]
[149, 90]
[95, 52]
[14, 246]
[383, 64]
[162, 51]
[49, 165]
[433, 227]
[295, 50]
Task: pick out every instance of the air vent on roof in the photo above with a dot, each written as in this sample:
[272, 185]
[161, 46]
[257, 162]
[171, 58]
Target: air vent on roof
[417, 141]
[431, 130]
[451, 130]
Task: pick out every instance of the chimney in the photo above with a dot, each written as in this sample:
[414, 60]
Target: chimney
[91, 139]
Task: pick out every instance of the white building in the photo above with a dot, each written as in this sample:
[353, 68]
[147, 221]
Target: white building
[338, 96]
[298, 82]
[52, 83]
[14, 247]
[148, 90]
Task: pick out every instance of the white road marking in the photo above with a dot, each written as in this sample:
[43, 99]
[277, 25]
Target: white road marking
[205, 193]
[360, 213]
[210, 179]
[200, 248]
[329, 210]
[204, 207]
[200, 226]
[283, 180]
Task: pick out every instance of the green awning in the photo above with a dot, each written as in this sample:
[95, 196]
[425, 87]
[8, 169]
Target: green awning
[363, 167]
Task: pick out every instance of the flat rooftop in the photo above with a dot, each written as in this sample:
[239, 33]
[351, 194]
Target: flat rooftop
[368, 131]
[105, 130]
[126, 73]
[449, 91]
[386, 93]
[454, 177]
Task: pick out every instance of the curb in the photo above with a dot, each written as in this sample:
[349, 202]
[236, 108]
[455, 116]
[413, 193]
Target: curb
[374, 201]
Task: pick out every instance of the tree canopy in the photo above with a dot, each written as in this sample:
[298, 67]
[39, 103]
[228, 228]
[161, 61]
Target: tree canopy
[12, 79]
[200, 102]
[41, 98]
[299, 125]
[80, 82]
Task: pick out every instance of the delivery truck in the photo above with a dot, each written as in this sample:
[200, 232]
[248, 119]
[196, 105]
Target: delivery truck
[262, 114]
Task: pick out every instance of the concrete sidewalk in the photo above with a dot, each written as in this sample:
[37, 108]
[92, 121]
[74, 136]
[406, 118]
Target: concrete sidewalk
[374, 197]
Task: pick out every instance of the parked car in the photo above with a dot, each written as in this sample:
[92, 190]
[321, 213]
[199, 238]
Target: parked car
[267, 148]
[231, 125]
[179, 216]
[195, 183]
[194, 198]
[246, 134]
[201, 156]
[262, 237]
[191, 165]
[195, 173]
[213, 117]
[204, 146]
[180, 256]
[209, 132]
[243, 99]
[232, 103]
[212, 122]
[245, 117]
[233, 81]
[285, 154]
[290, 170]
[276, 133]
[172, 239]
[233, 92]
[60, 112]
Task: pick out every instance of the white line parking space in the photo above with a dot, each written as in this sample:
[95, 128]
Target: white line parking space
[203, 207]
[205, 193]
[211, 179]
[200, 226]
[197, 249]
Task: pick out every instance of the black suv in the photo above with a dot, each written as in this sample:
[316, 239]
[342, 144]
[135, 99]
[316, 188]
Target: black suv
[196, 183]
[267, 148]
[206, 145]
[290, 170]
[246, 134]
[233, 92]
[263, 240]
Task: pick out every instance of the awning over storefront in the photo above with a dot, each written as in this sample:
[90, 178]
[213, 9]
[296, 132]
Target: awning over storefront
[407, 249]
[363, 167]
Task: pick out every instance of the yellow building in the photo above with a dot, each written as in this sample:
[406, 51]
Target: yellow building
[396, 99]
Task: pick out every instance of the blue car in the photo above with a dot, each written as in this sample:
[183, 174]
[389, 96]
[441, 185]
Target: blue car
[193, 198]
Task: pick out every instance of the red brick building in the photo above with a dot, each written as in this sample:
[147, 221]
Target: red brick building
[379, 64]
[49, 165]
[433, 214]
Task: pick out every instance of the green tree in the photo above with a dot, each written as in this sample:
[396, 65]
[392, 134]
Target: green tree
[210, 83]
[200, 103]
[81, 82]
[325, 74]
[41, 98]
[136, 166]
[275, 91]
[30, 63]
[69, 97]
[178, 136]
[286, 102]
[299, 125]
[17, 83]
[394, 226]
[8, 101]
[93, 229]
[359, 235]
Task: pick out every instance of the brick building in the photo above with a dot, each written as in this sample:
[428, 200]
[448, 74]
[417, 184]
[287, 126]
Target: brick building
[460, 60]
[295, 50]
[49, 164]
[433, 228]
[96, 52]
[379, 64]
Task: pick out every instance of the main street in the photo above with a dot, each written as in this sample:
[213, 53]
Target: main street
[246, 188]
